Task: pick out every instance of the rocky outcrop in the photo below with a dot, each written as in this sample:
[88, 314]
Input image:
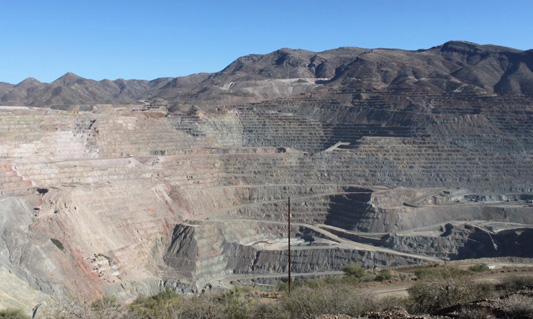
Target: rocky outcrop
[465, 241]
[183, 251]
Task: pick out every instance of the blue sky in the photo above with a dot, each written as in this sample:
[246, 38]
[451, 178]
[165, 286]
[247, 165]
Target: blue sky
[150, 39]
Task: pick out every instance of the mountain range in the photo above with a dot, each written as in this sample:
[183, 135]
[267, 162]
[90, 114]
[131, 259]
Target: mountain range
[455, 66]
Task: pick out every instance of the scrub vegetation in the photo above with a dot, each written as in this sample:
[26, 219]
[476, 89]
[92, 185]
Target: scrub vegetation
[434, 289]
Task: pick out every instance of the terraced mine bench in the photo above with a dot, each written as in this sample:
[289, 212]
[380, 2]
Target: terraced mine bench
[140, 201]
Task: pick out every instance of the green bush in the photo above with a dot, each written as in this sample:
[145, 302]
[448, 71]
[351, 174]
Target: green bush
[229, 304]
[161, 306]
[384, 274]
[334, 280]
[442, 273]
[479, 268]
[353, 270]
[311, 283]
[12, 314]
[236, 304]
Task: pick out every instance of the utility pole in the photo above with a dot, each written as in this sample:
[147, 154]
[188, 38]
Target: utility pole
[289, 237]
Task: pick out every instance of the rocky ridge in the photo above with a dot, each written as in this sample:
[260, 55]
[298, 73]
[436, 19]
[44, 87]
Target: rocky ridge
[452, 67]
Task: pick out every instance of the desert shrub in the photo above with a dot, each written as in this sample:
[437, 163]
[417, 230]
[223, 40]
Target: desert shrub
[71, 308]
[334, 280]
[202, 307]
[270, 310]
[354, 270]
[161, 306]
[318, 283]
[236, 304]
[306, 302]
[391, 302]
[515, 283]
[447, 272]
[469, 312]
[12, 314]
[443, 288]
[485, 290]
[479, 268]
[282, 286]
[105, 307]
[230, 304]
[311, 283]
[383, 274]
[518, 306]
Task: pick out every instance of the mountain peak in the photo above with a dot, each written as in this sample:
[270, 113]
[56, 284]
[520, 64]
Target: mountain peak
[465, 46]
[28, 82]
[68, 78]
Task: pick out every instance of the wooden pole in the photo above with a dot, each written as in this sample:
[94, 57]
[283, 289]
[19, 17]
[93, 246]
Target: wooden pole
[289, 236]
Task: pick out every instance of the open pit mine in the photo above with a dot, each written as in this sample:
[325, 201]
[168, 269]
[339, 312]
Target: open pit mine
[390, 158]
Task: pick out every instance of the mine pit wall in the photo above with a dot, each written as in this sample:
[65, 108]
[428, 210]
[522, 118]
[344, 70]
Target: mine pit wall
[406, 218]
[248, 260]
[24, 275]
[381, 156]
[348, 210]
[466, 242]
[256, 201]
[311, 204]
[225, 253]
[156, 168]
[183, 251]
[200, 247]
[82, 241]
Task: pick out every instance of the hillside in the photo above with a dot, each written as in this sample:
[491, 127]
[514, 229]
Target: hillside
[391, 158]
[451, 67]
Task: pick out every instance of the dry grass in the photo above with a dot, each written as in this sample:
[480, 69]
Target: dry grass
[519, 306]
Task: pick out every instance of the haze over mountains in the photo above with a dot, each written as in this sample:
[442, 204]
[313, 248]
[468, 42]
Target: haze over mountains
[451, 67]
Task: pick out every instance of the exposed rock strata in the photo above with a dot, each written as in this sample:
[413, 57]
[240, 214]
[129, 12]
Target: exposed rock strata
[129, 200]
